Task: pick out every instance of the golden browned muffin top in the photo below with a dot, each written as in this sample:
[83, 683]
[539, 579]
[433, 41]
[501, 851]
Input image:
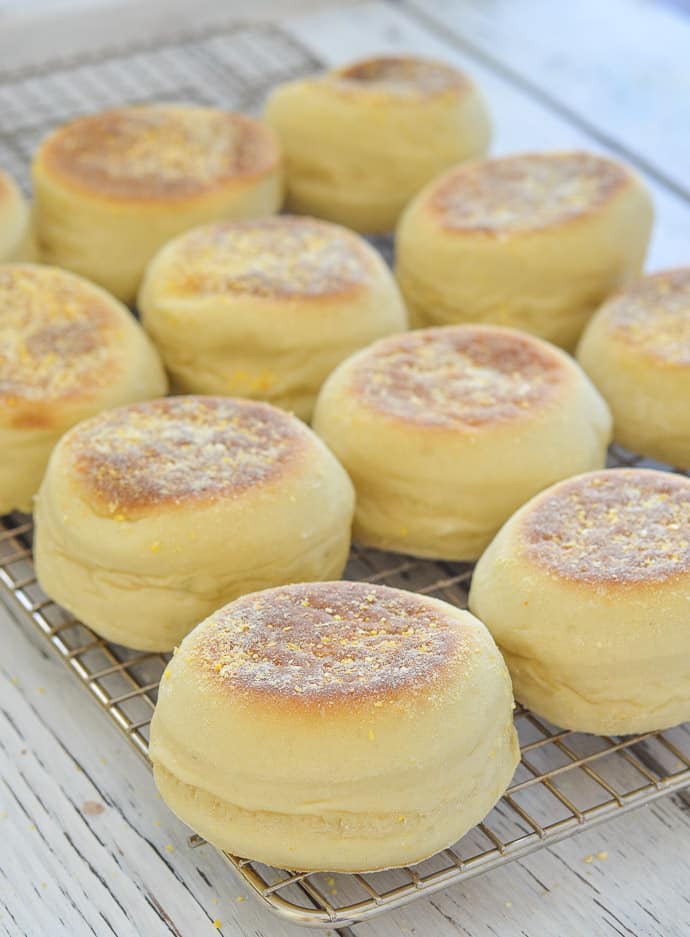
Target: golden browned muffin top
[279, 257]
[59, 337]
[158, 152]
[179, 449]
[403, 75]
[653, 316]
[615, 526]
[524, 193]
[331, 641]
[464, 376]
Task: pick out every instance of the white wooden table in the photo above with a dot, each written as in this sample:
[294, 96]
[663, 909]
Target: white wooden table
[86, 845]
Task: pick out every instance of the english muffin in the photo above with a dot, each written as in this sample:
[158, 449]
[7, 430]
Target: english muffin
[361, 140]
[111, 188]
[587, 591]
[153, 515]
[337, 726]
[266, 308]
[446, 431]
[535, 241]
[636, 349]
[67, 350]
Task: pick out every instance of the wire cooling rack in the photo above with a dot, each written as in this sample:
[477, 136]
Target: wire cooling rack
[565, 781]
[231, 68]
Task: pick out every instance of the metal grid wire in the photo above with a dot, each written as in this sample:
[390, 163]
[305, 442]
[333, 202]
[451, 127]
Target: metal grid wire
[231, 68]
[565, 780]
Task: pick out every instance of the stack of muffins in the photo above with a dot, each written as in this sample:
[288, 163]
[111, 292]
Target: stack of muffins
[307, 721]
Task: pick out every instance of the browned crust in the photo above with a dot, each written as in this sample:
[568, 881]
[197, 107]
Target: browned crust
[322, 643]
[459, 377]
[615, 527]
[60, 341]
[652, 316]
[159, 153]
[402, 75]
[163, 453]
[282, 257]
[525, 193]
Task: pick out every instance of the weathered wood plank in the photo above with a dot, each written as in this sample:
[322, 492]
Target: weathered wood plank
[87, 844]
[619, 69]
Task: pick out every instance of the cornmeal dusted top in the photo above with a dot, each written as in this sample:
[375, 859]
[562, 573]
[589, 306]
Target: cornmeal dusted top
[526, 192]
[458, 376]
[328, 641]
[58, 335]
[620, 525]
[653, 316]
[179, 449]
[159, 152]
[282, 256]
[402, 75]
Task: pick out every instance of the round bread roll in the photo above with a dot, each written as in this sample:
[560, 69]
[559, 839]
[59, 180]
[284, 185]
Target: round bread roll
[536, 241]
[636, 349]
[266, 308]
[361, 140]
[16, 236]
[337, 726]
[67, 351]
[445, 432]
[112, 188]
[587, 592]
[153, 515]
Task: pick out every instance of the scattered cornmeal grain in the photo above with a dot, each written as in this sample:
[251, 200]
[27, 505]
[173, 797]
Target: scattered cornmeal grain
[287, 256]
[525, 192]
[330, 658]
[158, 152]
[176, 449]
[50, 318]
[457, 377]
[625, 526]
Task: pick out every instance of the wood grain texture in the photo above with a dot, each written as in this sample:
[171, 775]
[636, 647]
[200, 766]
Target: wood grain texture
[69, 867]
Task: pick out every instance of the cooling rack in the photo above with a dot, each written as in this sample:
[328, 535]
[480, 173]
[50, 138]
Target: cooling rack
[231, 68]
[565, 781]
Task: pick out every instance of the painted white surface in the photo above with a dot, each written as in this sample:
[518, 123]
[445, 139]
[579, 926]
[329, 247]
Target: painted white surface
[68, 867]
